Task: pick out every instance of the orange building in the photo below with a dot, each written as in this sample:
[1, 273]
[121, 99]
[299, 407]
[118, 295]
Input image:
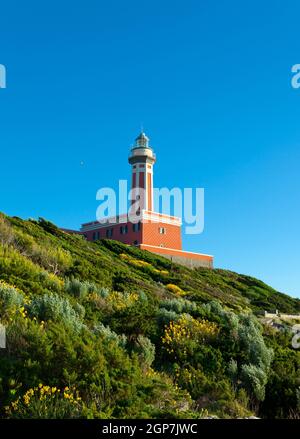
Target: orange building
[155, 232]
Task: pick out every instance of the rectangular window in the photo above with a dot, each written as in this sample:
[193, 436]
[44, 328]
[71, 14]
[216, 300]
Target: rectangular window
[96, 236]
[162, 230]
[124, 230]
[136, 227]
[109, 233]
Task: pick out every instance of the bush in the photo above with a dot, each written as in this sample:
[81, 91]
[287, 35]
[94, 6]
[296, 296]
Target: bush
[51, 281]
[47, 403]
[145, 350]
[165, 316]
[253, 358]
[102, 292]
[182, 338]
[55, 308]
[76, 288]
[109, 335]
[179, 305]
[55, 260]
[80, 310]
[6, 231]
[175, 289]
[119, 301]
[254, 379]
[80, 290]
[10, 297]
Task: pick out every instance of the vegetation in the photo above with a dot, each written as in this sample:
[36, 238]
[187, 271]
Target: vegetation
[101, 330]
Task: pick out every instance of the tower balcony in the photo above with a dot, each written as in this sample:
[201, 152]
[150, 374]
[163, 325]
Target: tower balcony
[145, 154]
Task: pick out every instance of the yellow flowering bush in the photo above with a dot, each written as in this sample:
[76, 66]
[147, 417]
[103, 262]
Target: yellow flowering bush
[23, 312]
[138, 263]
[175, 289]
[112, 300]
[47, 403]
[132, 261]
[119, 301]
[164, 272]
[180, 337]
[54, 281]
[151, 373]
[12, 300]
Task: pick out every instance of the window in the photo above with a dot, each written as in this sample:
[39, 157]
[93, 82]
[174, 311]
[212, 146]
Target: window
[96, 236]
[136, 227]
[162, 230]
[124, 230]
[109, 233]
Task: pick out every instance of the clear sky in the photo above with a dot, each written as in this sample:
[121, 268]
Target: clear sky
[211, 83]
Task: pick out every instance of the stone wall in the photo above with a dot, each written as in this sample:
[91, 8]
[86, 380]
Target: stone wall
[187, 262]
[278, 315]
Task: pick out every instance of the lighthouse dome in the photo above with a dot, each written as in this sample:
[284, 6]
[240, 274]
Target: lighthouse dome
[142, 141]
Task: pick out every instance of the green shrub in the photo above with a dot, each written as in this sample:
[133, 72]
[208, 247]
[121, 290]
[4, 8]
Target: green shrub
[76, 288]
[145, 350]
[103, 292]
[47, 403]
[55, 308]
[254, 379]
[109, 335]
[243, 334]
[7, 235]
[80, 290]
[179, 305]
[80, 310]
[10, 297]
[165, 316]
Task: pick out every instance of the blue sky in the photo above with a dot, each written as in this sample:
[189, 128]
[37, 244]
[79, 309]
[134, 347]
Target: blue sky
[211, 83]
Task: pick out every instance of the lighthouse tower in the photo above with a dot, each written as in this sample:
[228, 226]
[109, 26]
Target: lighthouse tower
[156, 232]
[142, 159]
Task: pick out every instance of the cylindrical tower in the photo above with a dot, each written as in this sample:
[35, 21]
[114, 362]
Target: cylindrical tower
[142, 159]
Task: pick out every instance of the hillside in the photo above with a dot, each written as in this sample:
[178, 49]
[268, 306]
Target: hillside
[107, 330]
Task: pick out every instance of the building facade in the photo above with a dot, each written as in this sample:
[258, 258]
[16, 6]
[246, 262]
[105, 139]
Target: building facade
[152, 231]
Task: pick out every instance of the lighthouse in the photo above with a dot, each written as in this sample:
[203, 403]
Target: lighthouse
[154, 231]
[142, 159]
